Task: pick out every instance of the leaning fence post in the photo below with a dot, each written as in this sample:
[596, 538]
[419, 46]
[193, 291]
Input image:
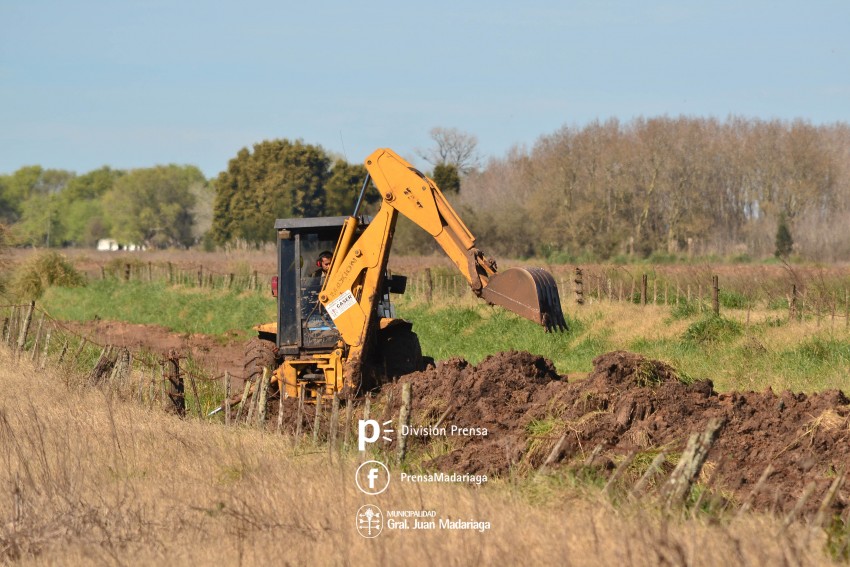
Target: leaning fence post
[246, 390]
[404, 420]
[22, 338]
[690, 464]
[62, 353]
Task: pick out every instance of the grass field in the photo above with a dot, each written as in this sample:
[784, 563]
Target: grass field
[119, 483]
[87, 478]
[743, 349]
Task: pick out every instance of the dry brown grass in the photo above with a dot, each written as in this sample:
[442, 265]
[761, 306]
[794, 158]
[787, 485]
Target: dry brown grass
[86, 478]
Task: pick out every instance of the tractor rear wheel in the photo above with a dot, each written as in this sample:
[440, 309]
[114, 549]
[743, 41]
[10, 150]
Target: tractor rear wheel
[259, 354]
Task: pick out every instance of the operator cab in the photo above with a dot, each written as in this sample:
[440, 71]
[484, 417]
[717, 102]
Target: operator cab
[303, 324]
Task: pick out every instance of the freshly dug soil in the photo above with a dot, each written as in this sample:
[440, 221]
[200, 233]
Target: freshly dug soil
[631, 404]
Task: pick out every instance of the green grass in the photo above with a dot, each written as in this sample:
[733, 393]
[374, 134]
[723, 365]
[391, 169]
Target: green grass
[478, 331]
[771, 353]
[185, 310]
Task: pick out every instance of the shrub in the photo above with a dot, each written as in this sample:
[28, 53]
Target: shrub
[712, 329]
[44, 270]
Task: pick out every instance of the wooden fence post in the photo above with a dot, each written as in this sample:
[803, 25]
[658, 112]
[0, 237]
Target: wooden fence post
[404, 420]
[43, 361]
[643, 289]
[25, 328]
[715, 294]
[246, 391]
[579, 287]
[281, 396]
[792, 303]
[126, 272]
[690, 464]
[334, 426]
[347, 434]
[299, 416]
[227, 394]
[62, 353]
[262, 397]
[174, 384]
[317, 421]
[37, 340]
[429, 285]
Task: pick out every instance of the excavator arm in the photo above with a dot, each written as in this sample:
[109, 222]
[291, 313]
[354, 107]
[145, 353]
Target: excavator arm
[355, 278]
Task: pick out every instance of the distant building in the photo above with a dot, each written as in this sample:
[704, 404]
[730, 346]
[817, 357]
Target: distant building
[111, 245]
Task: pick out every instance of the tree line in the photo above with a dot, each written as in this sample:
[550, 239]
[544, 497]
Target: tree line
[654, 188]
[667, 187]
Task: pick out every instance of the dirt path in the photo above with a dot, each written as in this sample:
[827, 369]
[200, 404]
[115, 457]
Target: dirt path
[213, 353]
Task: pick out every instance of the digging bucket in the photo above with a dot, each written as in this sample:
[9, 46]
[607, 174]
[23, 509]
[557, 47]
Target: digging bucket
[529, 292]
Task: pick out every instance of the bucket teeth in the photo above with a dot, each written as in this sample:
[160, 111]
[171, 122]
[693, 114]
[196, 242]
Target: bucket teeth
[529, 292]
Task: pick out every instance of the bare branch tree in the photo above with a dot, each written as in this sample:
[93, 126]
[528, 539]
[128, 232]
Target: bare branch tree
[453, 147]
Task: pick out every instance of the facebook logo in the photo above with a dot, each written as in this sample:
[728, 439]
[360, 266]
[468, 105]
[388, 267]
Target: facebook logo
[372, 477]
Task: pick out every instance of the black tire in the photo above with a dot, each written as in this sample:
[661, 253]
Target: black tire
[259, 354]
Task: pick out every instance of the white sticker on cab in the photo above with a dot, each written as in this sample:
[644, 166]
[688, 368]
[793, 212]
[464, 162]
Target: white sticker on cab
[341, 304]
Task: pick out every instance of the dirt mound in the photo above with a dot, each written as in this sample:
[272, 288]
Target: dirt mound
[630, 404]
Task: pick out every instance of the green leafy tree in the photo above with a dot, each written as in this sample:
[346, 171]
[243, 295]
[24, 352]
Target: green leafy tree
[446, 177]
[83, 219]
[153, 206]
[30, 182]
[39, 224]
[343, 188]
[784, 240]
[277, 179]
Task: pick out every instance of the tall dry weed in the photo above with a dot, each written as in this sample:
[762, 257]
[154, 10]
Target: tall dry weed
[87, 478]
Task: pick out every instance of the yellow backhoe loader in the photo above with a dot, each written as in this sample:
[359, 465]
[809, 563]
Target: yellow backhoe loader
[335, 330]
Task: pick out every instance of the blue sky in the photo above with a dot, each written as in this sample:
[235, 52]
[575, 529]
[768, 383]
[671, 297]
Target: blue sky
[131, 83]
